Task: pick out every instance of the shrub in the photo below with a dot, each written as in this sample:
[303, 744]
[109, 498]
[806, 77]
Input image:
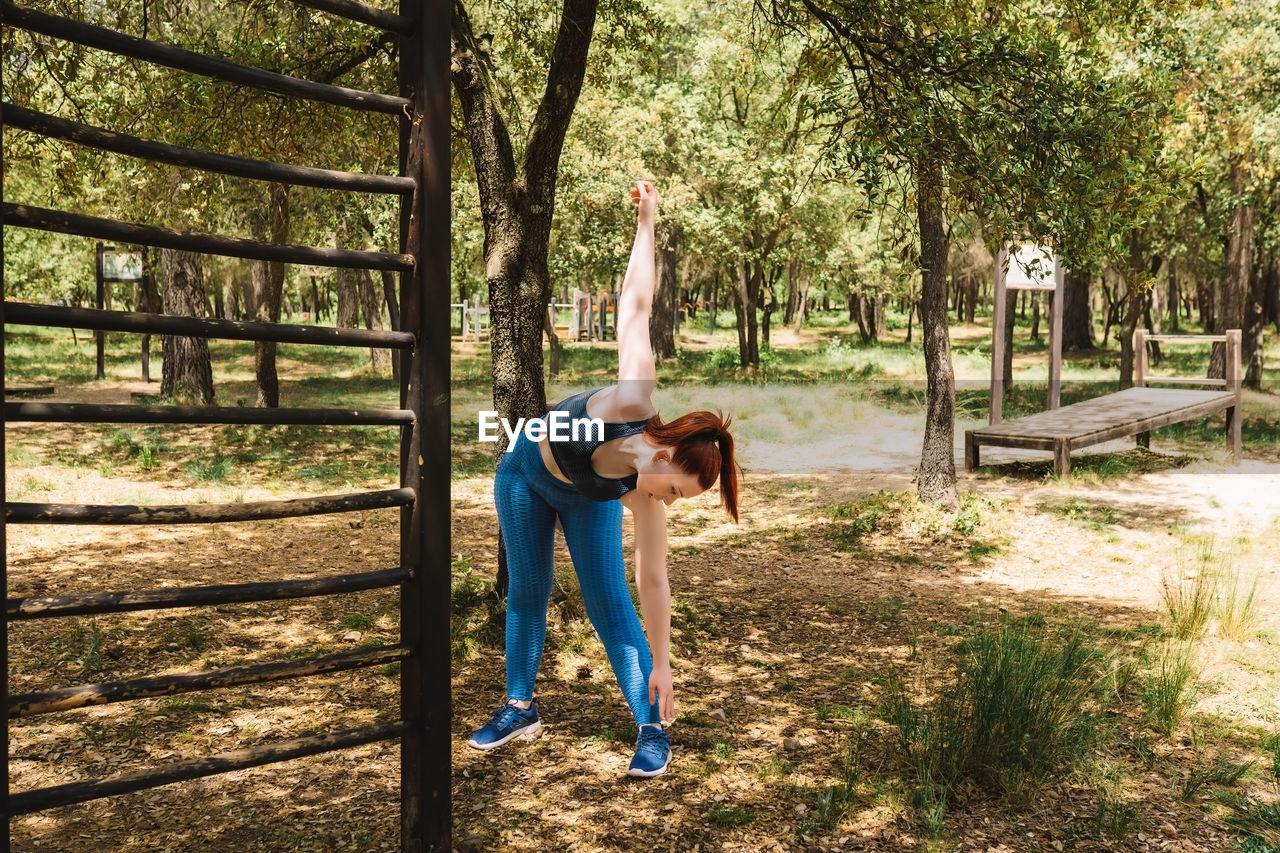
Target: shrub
[1022, 709]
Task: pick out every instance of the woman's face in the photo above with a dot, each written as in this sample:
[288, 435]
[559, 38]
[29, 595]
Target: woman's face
[660, 479]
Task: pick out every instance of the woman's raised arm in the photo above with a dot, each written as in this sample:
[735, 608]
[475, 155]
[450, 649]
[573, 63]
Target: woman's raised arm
[636, 372]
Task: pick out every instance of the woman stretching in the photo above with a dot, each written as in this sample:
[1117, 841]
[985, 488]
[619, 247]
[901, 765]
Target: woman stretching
[640, 463]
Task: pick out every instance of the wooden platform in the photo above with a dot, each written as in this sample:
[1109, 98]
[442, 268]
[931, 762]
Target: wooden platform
[1134, 411]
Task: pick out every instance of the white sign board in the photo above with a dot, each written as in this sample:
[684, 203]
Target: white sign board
[1030, 268]
[121, 266]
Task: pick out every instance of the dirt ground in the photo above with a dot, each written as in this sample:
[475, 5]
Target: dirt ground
[785, 632]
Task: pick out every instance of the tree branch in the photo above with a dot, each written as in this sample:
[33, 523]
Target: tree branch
[567, 70]
[486, 128]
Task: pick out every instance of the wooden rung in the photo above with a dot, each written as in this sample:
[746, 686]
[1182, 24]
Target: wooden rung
[84, 695]
[256, 756]
[56, 513]
[1188, 338]
[1050, 287]
[198, 596]
[1186, 380]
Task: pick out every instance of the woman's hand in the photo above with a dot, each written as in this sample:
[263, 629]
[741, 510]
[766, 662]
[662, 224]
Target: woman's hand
[645, 197]
[661, 692]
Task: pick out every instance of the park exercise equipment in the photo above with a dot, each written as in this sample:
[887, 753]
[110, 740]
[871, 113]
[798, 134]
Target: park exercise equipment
[421, 110]
[1130, 412]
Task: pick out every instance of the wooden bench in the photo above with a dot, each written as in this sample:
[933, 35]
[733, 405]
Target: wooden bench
[1134, 411]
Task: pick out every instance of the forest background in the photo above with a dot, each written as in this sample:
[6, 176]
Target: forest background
[809, 153]
[860, 156]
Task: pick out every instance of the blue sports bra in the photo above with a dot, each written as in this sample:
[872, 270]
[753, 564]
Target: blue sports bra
[574, 457]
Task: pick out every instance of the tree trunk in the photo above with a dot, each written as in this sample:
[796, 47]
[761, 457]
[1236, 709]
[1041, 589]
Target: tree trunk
[393, 314]
[911, 316]
[793, 295]
[1271, 291]
[268, 286]
[937, 477]
[746, 295]
[1234, 308]
[1255, 323]
[802, 303]
[766, 320]
[1140, 275]
[662, 318]
[769, 304]
[553, 345]
[1006, 363]
[187, 375]
[371, 302]
[863, 313]
[348, 298]
[712, 297]
[517, 204]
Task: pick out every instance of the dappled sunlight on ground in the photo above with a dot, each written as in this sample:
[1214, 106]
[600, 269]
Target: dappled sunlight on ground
[788, 630]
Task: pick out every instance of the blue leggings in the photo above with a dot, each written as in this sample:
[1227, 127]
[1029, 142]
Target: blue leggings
[529, 498]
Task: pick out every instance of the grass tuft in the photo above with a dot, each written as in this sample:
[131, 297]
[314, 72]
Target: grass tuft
[1023, 710]
[1189, 591]
[1166, 689]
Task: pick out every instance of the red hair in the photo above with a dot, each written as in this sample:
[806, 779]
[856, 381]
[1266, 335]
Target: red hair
[701, 445]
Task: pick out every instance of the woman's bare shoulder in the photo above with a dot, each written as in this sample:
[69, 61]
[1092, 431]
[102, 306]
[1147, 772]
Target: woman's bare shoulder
[627, 401]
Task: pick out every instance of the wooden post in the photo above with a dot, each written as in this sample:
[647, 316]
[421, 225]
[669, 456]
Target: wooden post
[99, 336]
[970, 451]
[4, 528]
[997, 338]
[1140, 368]
[1055, 334]
[1140, 358]
[1061, 457]
[425, 692]
[1234, 414]
[145, 282]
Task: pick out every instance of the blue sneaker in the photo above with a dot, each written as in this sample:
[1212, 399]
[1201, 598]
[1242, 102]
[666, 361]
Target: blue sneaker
[653, 752]
[509, 721]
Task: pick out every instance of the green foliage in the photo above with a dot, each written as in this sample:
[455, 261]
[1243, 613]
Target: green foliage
[724, 359]
[1258, 821]
[356, 622]
[933, 86]
[1271, 745]
[1116, 816]
[1189, 592]
[1022, 710]
[1236, 605]
[1219, 772]
[730, 816]
[1165, 688]
[478, 617]
[215, 470]
[863, 516]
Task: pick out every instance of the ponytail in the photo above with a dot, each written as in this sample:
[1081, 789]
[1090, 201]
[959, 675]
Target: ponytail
[703, 446]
